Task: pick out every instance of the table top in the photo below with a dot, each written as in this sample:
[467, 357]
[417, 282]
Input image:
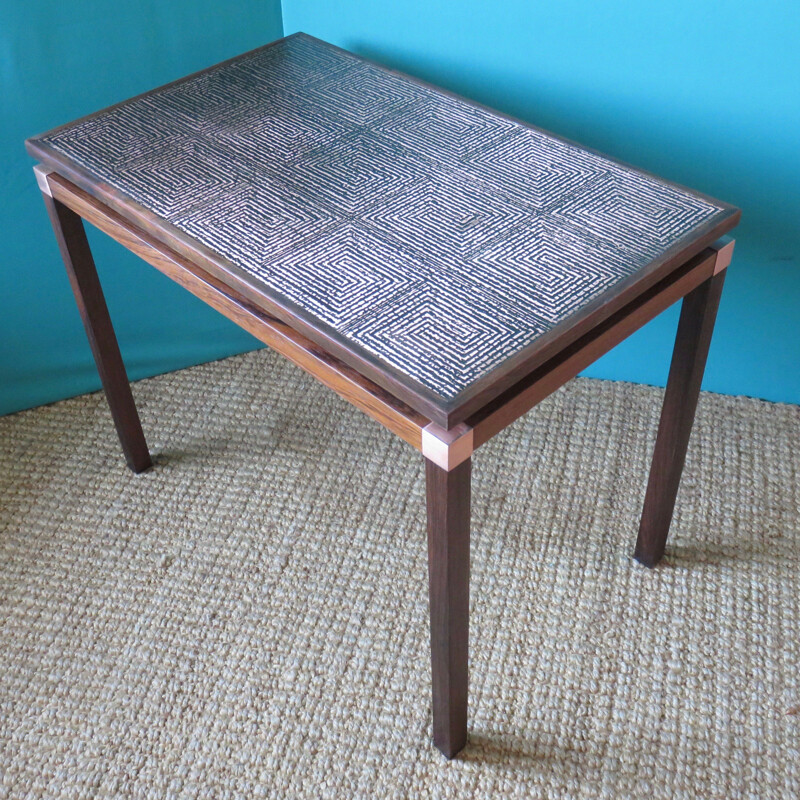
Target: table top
[436, 243]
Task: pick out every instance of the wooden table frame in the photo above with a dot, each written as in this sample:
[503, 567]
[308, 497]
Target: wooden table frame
[447, 450]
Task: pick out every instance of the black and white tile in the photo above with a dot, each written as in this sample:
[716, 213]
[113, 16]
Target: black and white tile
[436, 235]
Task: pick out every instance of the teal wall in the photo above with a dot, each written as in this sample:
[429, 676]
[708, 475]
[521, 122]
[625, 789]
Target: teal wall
[704, 92]
[59, 61]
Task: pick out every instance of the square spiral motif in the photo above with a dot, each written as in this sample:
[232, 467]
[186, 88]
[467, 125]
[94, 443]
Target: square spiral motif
[352, 174]
[549, 267]
[639, 214]
[292, 65]
[445, 217]
[178, 175]
[364, 94]
[255, 220]
[445, 130]
[342, 275]
[436, 235]
[535, 169]
[453, 334]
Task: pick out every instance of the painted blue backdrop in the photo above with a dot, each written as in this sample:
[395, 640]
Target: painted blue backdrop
[703, 92]
[59, 61]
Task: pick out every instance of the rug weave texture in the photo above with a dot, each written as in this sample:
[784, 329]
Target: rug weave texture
[249, 618]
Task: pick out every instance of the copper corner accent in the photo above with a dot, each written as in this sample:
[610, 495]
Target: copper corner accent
[724, 248]
[41, 178]
[447, 448]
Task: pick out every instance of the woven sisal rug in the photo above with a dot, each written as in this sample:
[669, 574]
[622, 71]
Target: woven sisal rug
[249, 619]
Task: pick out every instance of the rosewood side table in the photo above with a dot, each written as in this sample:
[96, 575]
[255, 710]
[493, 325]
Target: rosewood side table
[441, 266]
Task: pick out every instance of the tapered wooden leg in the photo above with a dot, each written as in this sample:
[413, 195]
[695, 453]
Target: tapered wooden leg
[448, 574]
[695, 327]
[74, 246]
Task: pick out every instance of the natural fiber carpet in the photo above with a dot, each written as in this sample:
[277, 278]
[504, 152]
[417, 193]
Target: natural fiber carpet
[249, 619]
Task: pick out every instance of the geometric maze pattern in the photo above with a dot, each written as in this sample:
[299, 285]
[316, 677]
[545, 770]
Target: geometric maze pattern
[252, 221]
[535, 169]
[363, 95]
[432, 233]
[638, 214]
[445, 130]
[452, 333]
[445, 217]
[361, 272]
[542, 264]
[351, 174]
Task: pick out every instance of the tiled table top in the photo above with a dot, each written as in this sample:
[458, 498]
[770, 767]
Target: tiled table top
[437, 236]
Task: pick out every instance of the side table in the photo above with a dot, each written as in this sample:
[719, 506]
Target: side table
[441, 266]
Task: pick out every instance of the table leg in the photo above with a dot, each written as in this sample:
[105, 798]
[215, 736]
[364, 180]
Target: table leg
[448, 574]
[74, 246]
[695, 327]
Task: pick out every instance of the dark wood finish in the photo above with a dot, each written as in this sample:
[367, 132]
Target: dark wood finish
[344, 380]
[425, 402]
[74, 246]
[693, 339]
[551, 375]
[448, 574]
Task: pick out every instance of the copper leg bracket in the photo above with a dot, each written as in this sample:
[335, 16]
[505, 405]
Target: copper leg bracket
[447, 448]
[41, 178]
[724, 248]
